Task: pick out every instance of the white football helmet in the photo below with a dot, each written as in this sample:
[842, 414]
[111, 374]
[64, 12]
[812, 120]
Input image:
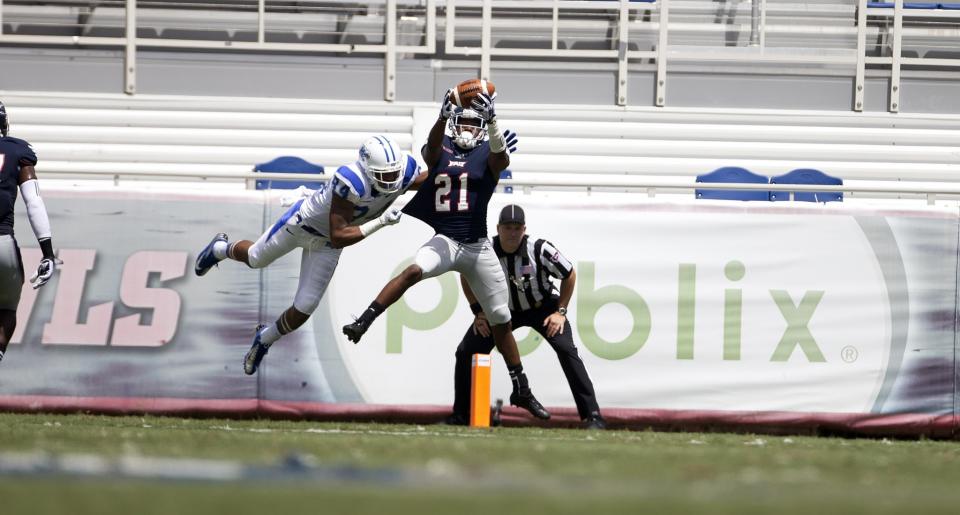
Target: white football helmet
[468, 127]
[382, 160]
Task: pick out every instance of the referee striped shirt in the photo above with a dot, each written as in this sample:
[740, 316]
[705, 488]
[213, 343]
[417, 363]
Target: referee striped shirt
[529, 270]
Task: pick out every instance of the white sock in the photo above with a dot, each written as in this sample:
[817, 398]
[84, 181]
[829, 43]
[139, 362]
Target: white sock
[220, 249]
[270, 334]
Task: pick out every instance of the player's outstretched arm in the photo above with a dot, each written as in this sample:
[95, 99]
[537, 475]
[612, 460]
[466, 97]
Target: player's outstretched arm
[40, 222]
[499, 158]
[342, 234]
[431, 151]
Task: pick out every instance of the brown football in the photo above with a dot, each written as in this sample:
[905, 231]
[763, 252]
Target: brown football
[468, 90]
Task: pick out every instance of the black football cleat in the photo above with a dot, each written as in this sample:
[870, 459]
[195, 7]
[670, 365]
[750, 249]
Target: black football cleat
[355, 330]
[524, 398]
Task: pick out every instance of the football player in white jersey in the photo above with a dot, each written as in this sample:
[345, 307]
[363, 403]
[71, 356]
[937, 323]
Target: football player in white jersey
[354, 204]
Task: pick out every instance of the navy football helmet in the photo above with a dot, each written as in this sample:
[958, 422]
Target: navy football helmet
[4, 123]
[468, 127]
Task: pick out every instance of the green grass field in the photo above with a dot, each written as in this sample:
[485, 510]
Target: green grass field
[439, 469]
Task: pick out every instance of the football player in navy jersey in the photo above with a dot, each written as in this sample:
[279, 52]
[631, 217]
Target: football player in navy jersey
[356, 203]
[464, 169]
[17, 161]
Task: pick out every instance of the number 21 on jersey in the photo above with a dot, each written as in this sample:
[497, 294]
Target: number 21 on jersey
[446, 193]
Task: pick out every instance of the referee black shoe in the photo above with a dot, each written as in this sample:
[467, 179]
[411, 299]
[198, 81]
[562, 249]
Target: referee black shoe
[594, 421]
[523, 398]
[456, 419]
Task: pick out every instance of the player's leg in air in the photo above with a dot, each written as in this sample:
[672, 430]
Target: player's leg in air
[434, 258]
[316, 269]
[481, 270]
[280, 239]
[271, 245]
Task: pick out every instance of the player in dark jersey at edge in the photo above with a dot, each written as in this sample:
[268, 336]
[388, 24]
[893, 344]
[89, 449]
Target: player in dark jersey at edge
[463, 173]
[17, 160]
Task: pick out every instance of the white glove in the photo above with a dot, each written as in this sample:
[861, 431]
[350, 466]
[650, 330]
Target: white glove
[295, 195]
[391, 216]
[44, 271]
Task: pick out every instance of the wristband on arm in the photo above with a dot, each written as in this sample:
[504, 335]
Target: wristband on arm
[46, 247]
[497, 143]
[476, 308]
[368, 228]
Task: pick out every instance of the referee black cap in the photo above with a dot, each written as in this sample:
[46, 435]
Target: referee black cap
[512, 214]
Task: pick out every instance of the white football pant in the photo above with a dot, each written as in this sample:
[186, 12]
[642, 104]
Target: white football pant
[317, 264]
[478, 263]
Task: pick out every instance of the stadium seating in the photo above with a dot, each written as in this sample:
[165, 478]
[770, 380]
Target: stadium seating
[806, 176]
[820, 24]
[287, 164]
[506, 174]
[733, 174]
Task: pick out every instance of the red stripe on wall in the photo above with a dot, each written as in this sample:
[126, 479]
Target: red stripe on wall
[769, 422]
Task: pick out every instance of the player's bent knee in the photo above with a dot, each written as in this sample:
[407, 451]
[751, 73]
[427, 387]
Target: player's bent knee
[412, 274]
[255, 259]
[499, 315]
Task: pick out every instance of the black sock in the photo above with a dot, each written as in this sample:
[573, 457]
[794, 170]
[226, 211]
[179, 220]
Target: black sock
[517, 377]
[371, 313]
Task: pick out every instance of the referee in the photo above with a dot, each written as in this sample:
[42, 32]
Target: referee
[528, 265]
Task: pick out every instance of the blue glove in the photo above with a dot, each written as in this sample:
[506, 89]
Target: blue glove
[511, 138]
[483, 104]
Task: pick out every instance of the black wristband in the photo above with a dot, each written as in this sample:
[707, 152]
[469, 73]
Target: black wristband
[46, 247]
[475, 307]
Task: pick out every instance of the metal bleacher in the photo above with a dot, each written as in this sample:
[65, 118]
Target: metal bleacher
[96, 135]
[814, 33]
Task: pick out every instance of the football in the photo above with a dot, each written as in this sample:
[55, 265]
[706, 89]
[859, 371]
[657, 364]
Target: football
[468, 90]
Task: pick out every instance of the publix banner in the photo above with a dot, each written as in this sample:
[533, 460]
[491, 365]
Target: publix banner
[686, 306]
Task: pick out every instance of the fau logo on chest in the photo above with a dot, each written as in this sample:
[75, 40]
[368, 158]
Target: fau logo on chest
[456, 164]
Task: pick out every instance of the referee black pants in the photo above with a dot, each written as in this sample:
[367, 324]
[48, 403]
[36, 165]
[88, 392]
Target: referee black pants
[580, 385]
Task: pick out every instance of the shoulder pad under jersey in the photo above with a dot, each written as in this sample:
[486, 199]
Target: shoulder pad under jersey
[26, 154]
[348, 183]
